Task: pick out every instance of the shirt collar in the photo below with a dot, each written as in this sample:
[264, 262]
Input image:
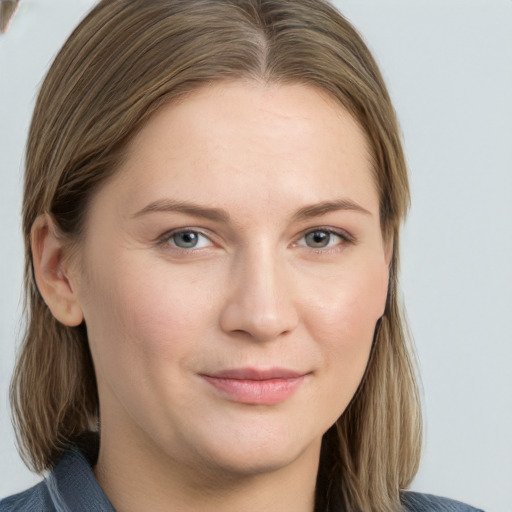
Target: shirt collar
[73, 486]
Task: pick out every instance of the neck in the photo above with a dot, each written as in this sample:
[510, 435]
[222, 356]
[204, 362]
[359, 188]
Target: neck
[137, 476]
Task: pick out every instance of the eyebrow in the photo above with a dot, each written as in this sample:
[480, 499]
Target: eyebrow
[317, 210]
[170, 205]
[220, 215]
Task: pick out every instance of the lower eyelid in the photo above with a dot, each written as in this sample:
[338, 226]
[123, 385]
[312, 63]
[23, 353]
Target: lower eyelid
[167, 239]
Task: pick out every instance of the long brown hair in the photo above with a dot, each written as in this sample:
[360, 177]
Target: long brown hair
[125, 60]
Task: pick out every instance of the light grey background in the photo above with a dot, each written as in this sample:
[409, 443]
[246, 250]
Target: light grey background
[448, 64]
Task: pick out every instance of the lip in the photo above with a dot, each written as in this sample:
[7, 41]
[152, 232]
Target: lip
[256, 386]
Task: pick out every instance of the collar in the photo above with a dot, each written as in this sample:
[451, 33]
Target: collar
[73, 486]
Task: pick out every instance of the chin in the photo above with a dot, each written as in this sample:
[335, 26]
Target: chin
[246, 465]
[256, 455]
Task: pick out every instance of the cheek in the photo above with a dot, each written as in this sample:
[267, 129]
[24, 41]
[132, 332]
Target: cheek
[342, 320]
[135, 318]
[350, 303]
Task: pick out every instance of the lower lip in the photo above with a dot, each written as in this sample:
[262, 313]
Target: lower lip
[256, 392]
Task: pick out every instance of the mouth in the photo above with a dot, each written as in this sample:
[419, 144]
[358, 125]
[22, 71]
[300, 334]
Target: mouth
[256, 386]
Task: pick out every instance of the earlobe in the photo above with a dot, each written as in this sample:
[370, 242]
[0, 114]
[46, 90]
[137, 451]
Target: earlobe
[389, 248]
[51, 272]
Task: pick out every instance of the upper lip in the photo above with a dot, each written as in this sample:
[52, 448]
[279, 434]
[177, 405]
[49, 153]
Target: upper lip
[257, 374]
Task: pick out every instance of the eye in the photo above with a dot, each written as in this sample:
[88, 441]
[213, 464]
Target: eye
[187, 239]
[323, 239]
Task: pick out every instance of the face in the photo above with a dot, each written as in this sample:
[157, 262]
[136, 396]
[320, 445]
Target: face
[232, 275]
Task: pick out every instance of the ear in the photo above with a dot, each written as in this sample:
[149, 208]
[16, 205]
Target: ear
[389, 246]
[389, 249]
[51, 272]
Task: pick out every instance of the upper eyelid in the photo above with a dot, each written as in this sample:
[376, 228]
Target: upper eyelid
[329, 229]
[172, 232]
[343, 233]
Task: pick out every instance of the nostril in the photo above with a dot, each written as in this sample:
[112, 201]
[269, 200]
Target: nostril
[258, 323]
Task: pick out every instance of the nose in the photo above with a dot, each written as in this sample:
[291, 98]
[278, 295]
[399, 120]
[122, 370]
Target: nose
[260, 299]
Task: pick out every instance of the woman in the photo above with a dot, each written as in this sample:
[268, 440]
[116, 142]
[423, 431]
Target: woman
[213, 198]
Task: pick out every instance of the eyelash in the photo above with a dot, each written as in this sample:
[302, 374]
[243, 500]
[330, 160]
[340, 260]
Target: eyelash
[346, 238]
[166, 239]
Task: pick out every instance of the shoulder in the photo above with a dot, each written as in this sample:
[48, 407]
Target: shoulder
[36, 498]
[419, 502]
[71, 486]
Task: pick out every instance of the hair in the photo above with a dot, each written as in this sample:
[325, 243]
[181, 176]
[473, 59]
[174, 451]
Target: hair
[125, 60]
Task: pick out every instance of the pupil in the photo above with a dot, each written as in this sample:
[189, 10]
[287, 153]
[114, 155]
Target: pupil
[186, 240]
[318, 239]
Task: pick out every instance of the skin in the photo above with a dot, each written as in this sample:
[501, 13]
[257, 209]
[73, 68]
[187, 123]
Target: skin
[257, 291]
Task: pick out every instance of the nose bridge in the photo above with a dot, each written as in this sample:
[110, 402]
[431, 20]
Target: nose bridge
[260, 302]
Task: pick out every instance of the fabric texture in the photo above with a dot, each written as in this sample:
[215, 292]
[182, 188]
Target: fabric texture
[418, 502]
[72, 487]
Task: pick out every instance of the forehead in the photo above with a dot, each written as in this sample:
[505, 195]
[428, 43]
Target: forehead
[232, 142]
